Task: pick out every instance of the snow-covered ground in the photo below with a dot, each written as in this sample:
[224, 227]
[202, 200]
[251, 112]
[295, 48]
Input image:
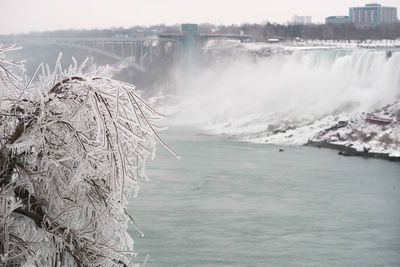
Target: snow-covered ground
[301, 44]
[263, 49]
[366, 135]
[347, 129]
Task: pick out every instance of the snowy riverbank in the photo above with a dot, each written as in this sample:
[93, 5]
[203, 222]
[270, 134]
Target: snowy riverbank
[351, 133]
[376, 134]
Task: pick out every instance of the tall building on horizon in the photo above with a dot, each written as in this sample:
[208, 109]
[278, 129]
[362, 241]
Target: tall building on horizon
[301, 19]
[372, 15]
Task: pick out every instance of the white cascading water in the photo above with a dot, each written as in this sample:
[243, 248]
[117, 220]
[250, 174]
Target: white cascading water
[305, 85]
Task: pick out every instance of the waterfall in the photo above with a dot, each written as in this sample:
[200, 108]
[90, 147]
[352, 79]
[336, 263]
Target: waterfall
[304, 84]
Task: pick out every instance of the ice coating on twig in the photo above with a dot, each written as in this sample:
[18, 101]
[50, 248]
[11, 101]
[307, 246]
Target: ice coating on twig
[73, 146]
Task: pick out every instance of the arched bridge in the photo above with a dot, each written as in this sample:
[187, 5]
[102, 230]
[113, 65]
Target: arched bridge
[132, 51]
[136, 52]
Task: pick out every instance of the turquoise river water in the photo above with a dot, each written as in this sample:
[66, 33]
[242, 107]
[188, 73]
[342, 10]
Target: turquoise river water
[230, 203]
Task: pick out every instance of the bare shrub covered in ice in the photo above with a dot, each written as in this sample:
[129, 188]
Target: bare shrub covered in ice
[72, 148]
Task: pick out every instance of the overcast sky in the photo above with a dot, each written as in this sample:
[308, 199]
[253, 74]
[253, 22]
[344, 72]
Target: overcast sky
[42, 15]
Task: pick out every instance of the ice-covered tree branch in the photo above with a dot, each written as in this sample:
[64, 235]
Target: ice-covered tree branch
[73, 147]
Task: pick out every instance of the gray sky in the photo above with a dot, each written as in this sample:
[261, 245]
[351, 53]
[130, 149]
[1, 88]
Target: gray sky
[41, 15]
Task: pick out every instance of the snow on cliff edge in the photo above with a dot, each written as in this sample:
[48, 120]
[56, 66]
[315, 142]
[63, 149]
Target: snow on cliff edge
[347, 129]
[375, 132]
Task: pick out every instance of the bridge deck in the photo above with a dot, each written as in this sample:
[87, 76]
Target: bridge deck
[73, 40]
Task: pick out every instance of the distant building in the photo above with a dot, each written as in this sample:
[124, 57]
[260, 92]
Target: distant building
[372, 15]
[337, 20]
[301, 19]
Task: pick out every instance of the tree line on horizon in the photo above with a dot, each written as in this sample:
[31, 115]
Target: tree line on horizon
[260, 32]
[345, 31]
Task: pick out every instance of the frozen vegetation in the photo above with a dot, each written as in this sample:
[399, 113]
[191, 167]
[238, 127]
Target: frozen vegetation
[74, 144]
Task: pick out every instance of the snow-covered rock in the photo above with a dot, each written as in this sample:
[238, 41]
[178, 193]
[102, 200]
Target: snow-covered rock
[374, 136]
[346, 129]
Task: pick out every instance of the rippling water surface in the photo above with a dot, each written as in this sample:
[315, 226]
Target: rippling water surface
[229, 203]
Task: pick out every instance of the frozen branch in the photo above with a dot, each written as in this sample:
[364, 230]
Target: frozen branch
[72, 147]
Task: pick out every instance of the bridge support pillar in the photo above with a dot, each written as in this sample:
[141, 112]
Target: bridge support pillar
[189, 47]
[162, 45]
[141, 53]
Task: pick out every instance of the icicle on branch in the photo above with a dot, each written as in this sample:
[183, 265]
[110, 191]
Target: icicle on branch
[72, 147]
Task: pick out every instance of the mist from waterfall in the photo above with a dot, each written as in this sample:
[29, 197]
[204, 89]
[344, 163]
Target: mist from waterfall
[303, 84]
